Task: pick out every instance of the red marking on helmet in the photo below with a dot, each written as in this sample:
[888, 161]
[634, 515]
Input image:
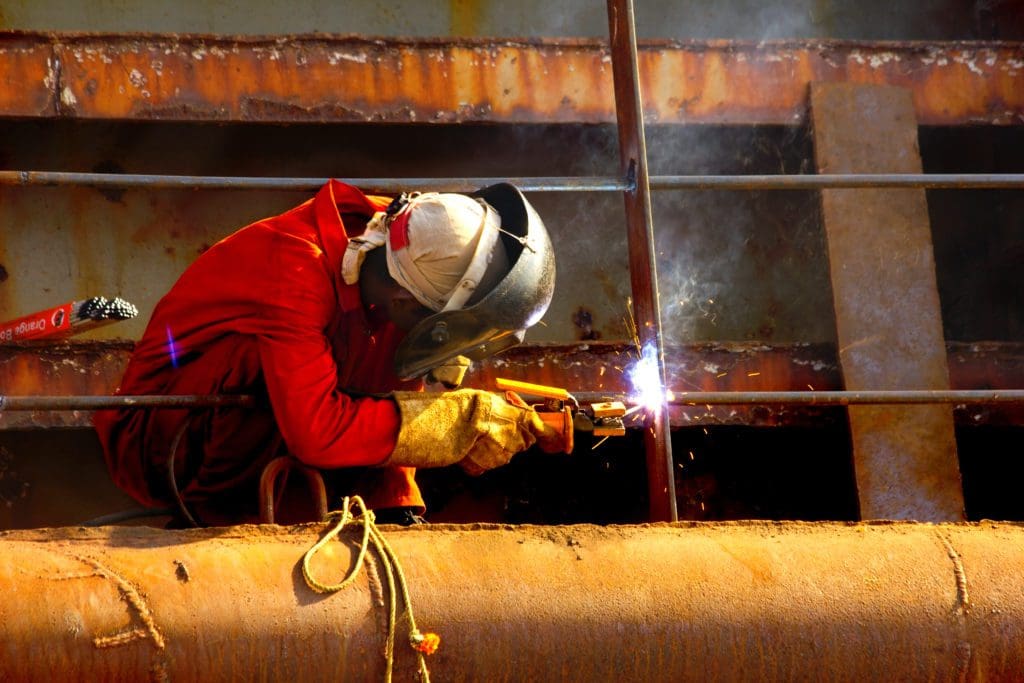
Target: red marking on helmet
[398, 232]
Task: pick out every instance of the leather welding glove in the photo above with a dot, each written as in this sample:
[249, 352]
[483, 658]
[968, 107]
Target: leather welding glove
[479, 430]
[451, 373]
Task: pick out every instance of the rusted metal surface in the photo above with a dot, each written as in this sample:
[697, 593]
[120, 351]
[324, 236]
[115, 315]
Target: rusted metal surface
[988, 365]
[332, 78]
[837, 602]
[643, 269]
[888, 317]
[95, 368]
[29, 81]
[71, 369]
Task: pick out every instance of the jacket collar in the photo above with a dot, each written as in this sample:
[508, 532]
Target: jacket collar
[332, 200]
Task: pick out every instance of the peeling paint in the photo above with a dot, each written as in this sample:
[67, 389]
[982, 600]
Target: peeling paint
[67, 98]
[204, 77]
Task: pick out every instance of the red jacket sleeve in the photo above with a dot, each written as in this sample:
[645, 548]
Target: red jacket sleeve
[322, 426]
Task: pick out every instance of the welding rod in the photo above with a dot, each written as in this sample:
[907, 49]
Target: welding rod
[953, 181]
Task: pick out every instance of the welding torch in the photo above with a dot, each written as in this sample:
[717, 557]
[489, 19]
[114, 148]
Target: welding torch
[562, 411]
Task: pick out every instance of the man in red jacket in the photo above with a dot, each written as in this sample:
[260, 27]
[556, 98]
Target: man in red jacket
[333, 333]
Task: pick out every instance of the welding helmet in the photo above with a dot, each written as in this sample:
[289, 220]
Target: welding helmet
[505, 288]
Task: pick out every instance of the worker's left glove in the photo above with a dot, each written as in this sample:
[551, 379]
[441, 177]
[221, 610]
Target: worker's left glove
[479, 430]
[450, 373]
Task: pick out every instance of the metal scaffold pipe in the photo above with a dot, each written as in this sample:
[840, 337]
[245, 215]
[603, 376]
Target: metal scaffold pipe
[122, 402]
[934, 181]
[949, 181]
[816, 398]
[672, 602]
[849, 398]
[386, 185]
[640, 240]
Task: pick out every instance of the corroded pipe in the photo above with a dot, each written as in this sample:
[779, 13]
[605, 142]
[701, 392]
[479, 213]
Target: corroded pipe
[739, 601]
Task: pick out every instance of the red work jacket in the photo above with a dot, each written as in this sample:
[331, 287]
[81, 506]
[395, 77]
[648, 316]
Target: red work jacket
[264, 310]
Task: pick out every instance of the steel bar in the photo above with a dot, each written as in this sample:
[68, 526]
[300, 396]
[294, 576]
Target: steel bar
[819, 398]
[666, 602]
[933, 181]
[151, 181]
[815, 398]
[104, 402]
[948, 181]
[849, 398]
[643, 268]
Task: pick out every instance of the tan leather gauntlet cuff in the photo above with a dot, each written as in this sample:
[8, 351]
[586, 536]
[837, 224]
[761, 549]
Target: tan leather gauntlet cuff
[438, 430]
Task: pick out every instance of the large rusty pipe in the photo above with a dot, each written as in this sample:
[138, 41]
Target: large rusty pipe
[723, 601]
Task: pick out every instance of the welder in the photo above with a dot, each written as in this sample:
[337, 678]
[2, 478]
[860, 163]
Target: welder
[332, 315]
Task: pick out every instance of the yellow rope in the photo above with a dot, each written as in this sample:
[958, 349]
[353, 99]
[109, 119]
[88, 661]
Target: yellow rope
[422, 643]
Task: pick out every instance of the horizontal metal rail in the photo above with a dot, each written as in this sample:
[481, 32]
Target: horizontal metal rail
[933, 181]
[838, 398]
[387, 185]
[105, 402]
[950, 181]
[817, 398]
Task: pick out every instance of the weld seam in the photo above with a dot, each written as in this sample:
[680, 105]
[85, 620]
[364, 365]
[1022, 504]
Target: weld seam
[963, 603]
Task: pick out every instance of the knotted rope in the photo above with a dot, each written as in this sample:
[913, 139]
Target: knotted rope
[423, 643]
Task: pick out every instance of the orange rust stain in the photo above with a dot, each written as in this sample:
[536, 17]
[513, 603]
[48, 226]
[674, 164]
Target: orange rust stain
[568, 81]
[27, 78]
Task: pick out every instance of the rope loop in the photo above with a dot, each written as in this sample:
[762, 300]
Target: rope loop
[422, 643]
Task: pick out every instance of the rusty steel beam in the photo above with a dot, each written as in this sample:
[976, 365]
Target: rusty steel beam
[679, 602]
[643, 268]
[95, 368]
[888, 315]
[951, 181]
[337, 78]
[28, 81]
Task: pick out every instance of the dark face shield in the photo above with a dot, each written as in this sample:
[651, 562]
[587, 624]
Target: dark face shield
[499, 319]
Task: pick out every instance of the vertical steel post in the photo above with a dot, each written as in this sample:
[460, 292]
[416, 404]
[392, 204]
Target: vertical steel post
[643, 271]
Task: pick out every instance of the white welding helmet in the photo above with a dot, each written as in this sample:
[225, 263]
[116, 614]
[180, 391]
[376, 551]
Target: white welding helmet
[494, 283]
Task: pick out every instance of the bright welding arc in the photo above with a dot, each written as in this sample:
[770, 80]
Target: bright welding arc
[647, 391]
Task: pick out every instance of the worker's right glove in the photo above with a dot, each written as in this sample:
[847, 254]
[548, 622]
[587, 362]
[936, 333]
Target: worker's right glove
[479, 430]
